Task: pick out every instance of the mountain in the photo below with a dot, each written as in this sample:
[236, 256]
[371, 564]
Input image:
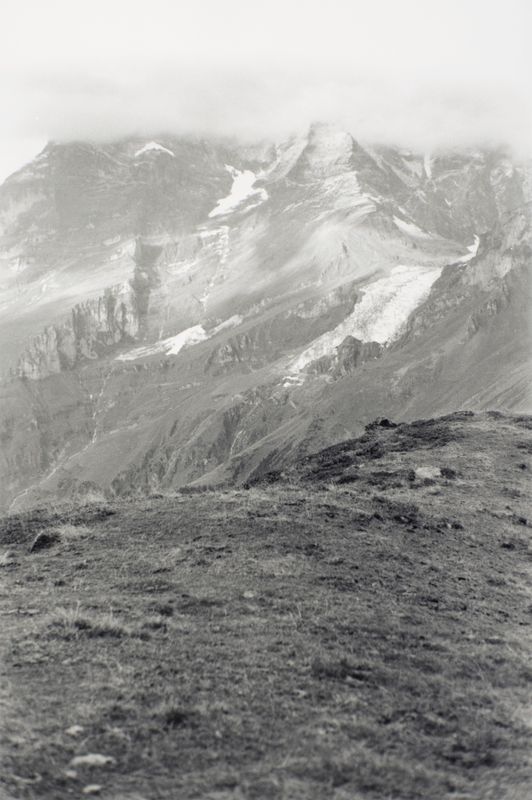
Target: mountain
[181, 310]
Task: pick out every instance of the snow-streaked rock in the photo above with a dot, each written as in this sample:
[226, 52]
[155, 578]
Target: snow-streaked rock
[231, 322]
[344, 193]
[154, 146]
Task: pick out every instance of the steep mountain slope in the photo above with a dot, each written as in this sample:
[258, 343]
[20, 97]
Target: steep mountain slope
[212, 309]
[69, 220]
[467, 346]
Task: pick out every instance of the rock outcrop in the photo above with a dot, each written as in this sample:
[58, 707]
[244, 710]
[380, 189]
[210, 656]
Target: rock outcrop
[349, 355]
[94, 327]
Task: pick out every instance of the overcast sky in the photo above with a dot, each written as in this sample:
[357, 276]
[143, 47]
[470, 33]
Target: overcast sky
[421, 73]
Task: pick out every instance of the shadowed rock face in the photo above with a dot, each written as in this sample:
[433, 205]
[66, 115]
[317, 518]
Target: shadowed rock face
[352, 352]
[205, 311]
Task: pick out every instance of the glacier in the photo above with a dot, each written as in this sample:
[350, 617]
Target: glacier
[380, 315]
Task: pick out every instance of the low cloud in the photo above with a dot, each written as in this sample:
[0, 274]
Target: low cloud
[424, 115]
[406, 73]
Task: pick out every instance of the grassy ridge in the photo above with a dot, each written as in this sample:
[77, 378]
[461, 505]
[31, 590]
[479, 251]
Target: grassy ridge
[358, 627]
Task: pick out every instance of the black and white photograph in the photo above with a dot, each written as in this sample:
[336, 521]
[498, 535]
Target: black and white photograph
[266, 400]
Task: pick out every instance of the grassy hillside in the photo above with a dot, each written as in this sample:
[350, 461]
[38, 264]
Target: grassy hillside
[357, 627]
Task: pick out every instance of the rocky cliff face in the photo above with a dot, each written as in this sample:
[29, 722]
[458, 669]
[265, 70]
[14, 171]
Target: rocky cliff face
[120, 316]
[265, 341]
[70, 218]
[93, 328]
[177, 310]
[349, 355]
[460, 194]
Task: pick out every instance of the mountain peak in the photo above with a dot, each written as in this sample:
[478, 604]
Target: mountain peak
[328, 151]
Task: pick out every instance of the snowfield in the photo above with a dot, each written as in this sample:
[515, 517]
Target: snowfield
[170, 347]
[173, 345]
[381, 313]
[472, 251]
[410, 229]
[243, 189]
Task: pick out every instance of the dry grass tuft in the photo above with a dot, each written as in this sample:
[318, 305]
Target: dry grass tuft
[71, 533]
[73, 622]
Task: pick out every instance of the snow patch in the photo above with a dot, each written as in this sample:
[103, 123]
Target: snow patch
[231, 322]
[184, 339]
[427, 165]
[113, 240]
[153, 146]
[170, 346]
[243, 189]
[472, 250]
[289, 381]
[410, 229]
[381, 313]
[176, 268]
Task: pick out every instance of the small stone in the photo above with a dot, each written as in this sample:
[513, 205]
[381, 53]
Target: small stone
[248, 595]
[70, 773]
[7, 558]
[428, 472]
[92, 788]
[74, 730]
[17, 740]
[447, 472]
[381, 422]
[384, 422]
[92, 760]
